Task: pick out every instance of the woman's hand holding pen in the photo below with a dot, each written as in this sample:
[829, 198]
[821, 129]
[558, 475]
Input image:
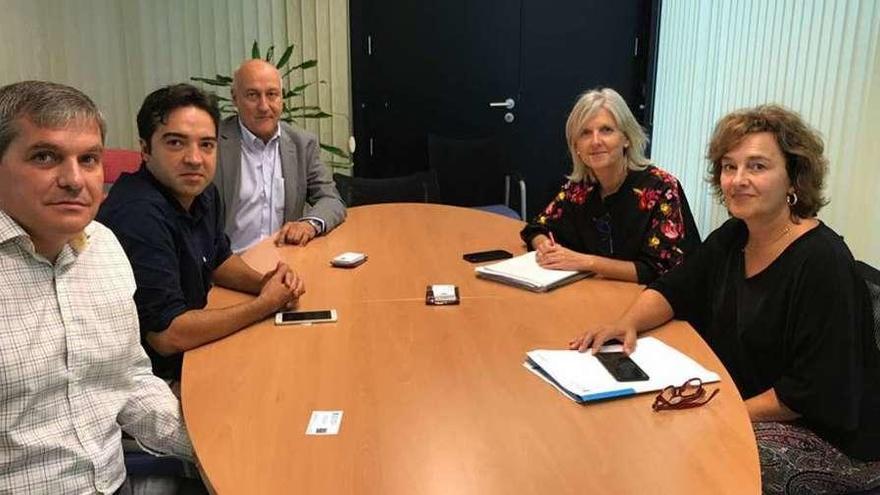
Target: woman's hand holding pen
[553, 256]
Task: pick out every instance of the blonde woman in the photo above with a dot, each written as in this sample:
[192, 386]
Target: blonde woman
[617, 216]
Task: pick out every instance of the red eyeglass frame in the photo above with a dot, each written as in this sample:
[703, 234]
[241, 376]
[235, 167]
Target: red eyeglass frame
[689, 394]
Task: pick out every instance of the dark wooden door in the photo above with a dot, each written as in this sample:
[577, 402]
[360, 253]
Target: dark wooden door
[421, 68]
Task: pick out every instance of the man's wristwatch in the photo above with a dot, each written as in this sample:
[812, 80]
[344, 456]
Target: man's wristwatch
[314, 223]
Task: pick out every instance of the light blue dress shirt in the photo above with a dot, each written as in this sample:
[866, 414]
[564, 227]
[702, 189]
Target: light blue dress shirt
[259, 209]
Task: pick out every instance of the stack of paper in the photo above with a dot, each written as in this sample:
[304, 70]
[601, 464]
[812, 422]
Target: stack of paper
[582, 378]
[524, 271]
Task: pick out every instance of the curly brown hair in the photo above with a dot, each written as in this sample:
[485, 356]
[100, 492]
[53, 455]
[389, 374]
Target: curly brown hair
[801, 146]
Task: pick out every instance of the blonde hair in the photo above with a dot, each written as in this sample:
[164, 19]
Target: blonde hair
[586, 107]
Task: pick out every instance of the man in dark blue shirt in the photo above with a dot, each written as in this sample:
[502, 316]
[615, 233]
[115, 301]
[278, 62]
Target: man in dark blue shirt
[169, 220]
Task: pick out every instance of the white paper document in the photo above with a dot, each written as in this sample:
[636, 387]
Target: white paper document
[524, 271]
[582, 378]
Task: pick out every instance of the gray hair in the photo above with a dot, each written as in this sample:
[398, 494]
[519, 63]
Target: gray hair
[587, 106]
[47, 105]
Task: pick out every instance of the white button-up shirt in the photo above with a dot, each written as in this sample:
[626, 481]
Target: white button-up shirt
[259, 211]
[73, 373]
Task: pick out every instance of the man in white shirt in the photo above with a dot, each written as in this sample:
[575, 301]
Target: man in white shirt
[269, 175]
[73, 374]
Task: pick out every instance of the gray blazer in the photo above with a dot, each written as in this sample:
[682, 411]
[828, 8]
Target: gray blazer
[308, 184]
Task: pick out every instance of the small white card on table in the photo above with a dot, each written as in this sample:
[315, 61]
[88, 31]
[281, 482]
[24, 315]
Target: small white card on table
[324, 423]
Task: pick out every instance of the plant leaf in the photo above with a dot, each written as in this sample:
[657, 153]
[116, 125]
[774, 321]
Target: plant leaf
[296, 109]
[334, 150]
[316, 115]
[221, 77]
[255, 50]
[270, 53]
[308, 64]
[290, 93]
[298, 90]
[285, 57]
[301, 87]
[209, 81]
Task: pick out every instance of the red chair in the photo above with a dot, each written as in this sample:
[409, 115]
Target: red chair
[117, 161]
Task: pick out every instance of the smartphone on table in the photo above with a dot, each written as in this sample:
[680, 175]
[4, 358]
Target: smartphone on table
[349, 259]
[483, 256]
[621, 367]
[305, 317]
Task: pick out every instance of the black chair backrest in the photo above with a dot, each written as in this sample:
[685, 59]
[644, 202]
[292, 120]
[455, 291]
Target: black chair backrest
[420, 187]
[470, 172]
[872, 279]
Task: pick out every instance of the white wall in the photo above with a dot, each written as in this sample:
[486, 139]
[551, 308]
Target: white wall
[819, 58]
[117, 51]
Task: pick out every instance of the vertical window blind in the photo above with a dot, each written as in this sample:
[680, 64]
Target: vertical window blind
[817, 57]
[117, 51]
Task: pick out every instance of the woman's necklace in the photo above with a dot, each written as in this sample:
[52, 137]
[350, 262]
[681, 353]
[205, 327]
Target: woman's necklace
[618, 181]
[751, 248]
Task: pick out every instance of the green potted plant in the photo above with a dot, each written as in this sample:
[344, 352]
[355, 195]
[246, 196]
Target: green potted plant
[292, 111]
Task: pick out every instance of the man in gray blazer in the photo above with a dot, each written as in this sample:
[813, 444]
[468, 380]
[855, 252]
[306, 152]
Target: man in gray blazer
[269, 175]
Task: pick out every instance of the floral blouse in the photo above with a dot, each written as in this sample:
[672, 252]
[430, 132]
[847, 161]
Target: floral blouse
[647, 221]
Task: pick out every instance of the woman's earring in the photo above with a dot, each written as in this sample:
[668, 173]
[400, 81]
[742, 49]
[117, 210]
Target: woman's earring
[791, 198]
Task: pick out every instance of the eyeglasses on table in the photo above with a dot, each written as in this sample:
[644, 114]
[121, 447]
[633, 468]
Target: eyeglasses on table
[690, 394]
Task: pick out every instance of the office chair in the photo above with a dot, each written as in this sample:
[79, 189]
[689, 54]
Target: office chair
[152, 474]
[420, 187]
[475, 173]
[872, 279]
[827, 468]
[117, 161]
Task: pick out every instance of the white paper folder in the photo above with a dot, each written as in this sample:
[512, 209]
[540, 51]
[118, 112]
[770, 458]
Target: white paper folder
[582, 378]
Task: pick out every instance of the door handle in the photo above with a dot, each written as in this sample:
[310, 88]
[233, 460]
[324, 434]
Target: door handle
[508, 104]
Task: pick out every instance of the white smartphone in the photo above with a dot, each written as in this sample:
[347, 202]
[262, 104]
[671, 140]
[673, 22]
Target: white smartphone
[348, 260]
[305, 317]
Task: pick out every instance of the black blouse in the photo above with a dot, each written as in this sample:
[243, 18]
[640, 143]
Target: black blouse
[801, 326]
[647, 221]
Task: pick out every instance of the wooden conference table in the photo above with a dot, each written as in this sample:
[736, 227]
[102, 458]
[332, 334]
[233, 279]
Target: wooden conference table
[435, 399]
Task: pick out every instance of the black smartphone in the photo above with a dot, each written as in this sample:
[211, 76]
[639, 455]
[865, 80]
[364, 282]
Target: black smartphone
[621, 367]
[481, 256]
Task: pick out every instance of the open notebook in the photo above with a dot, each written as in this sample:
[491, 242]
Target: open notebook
[524, 271]
[582, 378]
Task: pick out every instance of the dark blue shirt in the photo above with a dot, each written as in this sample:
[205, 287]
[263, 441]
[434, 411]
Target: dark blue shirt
[173, 252]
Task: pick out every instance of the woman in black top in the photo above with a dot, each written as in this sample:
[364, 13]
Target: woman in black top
[775, 293]
[617, 216]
